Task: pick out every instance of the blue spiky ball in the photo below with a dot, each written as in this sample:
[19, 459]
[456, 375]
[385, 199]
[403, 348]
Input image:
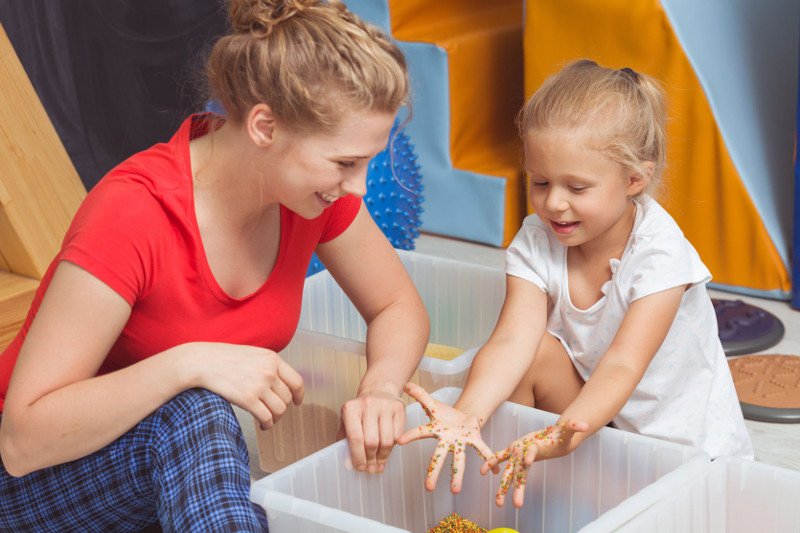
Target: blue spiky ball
[393, 200]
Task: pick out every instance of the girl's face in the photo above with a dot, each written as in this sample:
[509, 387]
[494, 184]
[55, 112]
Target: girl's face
[309, 172]
[582, 195]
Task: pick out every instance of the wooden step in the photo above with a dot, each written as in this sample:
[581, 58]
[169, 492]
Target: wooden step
[16, 295]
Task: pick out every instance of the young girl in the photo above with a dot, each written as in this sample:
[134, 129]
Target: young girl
[606, 316]
[181, 277]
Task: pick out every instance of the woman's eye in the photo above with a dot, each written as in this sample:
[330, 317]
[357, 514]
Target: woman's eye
[577, 189]
[346, 164]
[539, 183]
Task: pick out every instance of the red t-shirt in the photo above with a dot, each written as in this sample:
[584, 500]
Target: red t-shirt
[137, 232]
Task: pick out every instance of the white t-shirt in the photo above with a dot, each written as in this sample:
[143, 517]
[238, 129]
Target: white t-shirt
[687, 393]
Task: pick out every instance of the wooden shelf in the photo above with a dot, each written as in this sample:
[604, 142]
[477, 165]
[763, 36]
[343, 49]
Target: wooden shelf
[16, 295]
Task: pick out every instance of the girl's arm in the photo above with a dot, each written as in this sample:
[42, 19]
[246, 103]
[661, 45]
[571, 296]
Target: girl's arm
[502, 362]
[56, 411]
[639, 337]
[367, 268]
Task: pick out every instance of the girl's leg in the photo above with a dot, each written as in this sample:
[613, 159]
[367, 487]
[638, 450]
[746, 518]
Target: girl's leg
[552, 382]
[185, 465]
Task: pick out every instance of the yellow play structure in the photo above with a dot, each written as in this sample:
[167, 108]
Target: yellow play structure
[40, 191]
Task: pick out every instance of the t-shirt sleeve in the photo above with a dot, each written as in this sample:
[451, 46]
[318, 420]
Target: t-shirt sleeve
[115, 237]
[662, 264]
[527, 255]
[339, 217]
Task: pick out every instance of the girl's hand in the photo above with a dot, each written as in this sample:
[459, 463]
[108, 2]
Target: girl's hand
[256, 379]
[454, 429]
[372, 421]
[553, 441]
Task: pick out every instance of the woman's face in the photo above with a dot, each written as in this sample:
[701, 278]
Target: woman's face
[312, 171]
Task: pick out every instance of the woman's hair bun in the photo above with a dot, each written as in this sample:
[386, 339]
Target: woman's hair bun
[259, 17]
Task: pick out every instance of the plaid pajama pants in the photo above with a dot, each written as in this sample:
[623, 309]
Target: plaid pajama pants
[185, 465]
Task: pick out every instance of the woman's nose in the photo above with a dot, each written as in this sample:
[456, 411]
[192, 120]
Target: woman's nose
[356, 184]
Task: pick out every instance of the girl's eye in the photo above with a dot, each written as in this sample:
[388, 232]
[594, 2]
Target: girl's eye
[578, 189]
[539, 183]
[346, 164]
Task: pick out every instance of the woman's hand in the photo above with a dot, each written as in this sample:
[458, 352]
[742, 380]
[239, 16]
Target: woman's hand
[256, 379]
[553, 441]
[372, 421]
[454, 429]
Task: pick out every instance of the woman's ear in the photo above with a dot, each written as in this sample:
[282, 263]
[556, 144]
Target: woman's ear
[260, 125]
[638, 181]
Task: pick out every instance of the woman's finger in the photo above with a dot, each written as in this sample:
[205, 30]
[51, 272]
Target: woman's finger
[261, 413]
[435, 466]
[283, 392]
[385, 437]
[275, 405]
[369, 423]
[293, 381]
[351, 419]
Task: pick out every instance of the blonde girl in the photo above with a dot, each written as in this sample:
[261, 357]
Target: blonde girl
[606, 317]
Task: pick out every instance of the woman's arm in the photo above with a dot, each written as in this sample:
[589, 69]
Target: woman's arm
[56, 411]
[637, 341]
[367, 268]
[505, 358]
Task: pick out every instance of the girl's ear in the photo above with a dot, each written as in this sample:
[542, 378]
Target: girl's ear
[260, 125]
[638, 182]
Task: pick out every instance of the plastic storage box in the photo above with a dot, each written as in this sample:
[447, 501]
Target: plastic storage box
[732, 495]
[463, 301]
[322, 493]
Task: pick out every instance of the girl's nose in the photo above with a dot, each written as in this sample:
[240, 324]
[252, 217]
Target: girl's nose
[555, 201]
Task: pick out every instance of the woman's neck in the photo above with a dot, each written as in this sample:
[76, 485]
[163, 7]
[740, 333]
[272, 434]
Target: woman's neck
[226, 184]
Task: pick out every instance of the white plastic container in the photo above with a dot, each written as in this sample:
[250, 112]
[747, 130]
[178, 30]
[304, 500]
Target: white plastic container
[332, 368]
[731, 495]
[322, 493]
[463, 301]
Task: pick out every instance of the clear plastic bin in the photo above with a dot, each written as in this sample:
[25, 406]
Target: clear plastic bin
[463, 301]
[322, 493]
[732, 495]
[332, 368]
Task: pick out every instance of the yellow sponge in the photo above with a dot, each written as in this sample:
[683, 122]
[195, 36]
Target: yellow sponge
[440, 351]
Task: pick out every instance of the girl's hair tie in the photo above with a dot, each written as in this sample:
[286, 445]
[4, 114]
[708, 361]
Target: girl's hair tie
[631, 74]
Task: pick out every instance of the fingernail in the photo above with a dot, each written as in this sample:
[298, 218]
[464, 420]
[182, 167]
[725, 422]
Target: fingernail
[371, 469]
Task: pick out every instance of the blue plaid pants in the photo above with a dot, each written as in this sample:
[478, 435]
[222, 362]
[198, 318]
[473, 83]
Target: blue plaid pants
[185, 466]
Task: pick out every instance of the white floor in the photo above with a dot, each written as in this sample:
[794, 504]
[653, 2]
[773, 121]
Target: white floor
[777, 444]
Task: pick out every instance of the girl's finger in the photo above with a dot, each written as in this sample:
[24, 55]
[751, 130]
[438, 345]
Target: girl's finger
[457, 468]
[529, 456]
[282, 391]
[421, 395]
[520, 479]
[505, 483]
[435, 466]
[419, 432]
